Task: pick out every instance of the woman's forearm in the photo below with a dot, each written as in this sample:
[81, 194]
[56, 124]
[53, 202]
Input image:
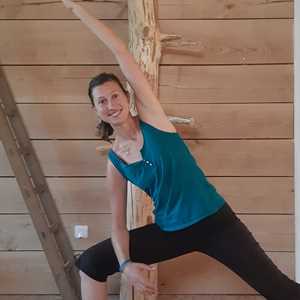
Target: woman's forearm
[120, 241]
[103, 32]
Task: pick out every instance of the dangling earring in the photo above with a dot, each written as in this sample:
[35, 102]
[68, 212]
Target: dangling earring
[99, 121]
[99, 126]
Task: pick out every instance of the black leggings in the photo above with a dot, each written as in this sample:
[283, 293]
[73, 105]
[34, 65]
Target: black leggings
[221, 235]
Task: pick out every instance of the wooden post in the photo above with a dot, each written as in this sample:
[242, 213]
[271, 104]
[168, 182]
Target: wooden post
[144, 44]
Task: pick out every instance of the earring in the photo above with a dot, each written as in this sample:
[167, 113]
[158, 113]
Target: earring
[99, 127]
[99, 121]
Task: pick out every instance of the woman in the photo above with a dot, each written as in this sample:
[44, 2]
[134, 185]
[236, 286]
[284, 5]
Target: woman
[190, 215]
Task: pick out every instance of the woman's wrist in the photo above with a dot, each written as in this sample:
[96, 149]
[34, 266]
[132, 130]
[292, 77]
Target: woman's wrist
[124, 264]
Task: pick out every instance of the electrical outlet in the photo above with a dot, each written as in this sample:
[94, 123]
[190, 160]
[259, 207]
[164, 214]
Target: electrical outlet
[81, 231]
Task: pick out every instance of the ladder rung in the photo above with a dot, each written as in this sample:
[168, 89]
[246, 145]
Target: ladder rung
[11, 113]
[25, 151]
[54, 227]
[40, 189]
[67, 265]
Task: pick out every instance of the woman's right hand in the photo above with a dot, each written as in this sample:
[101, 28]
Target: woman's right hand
[135, 273]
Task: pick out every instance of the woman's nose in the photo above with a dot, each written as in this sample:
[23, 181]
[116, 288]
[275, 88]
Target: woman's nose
[111, 105]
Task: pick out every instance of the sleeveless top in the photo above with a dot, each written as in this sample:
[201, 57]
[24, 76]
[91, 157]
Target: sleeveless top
[170, 175]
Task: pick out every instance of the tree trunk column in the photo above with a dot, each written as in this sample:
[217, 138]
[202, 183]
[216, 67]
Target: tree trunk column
[144, 44]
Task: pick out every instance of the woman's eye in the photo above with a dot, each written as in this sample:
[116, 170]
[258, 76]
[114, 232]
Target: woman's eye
[115, 95]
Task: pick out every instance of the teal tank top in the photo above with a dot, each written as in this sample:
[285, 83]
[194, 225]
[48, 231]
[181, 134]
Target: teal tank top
[170, 175]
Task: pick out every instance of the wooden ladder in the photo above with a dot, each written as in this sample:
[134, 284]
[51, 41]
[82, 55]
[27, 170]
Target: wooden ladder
[37, 196]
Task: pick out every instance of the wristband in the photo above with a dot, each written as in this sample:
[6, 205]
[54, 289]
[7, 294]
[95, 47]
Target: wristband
[123, 264]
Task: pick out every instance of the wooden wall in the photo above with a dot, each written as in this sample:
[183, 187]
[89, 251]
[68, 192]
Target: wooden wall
[237, 85]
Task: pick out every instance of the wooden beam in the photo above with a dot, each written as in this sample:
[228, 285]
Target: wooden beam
[145, 45]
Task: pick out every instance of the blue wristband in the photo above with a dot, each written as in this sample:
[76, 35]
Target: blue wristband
[123, 264]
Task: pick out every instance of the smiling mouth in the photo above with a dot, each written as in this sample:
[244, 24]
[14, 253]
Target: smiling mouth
[115, 114]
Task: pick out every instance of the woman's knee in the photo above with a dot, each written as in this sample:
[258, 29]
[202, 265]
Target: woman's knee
[88, 279]
[98, 261]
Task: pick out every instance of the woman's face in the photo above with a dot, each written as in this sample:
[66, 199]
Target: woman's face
[111, 103]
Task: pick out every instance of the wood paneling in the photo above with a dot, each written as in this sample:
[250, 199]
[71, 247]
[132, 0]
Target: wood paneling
[214, 42]
[72, 195]
[58, 297]
[78, 121]
[59, 42]
[199, 274]
[226, 84]
[253, 195]
[215, 157]
[207, 297]
[244, 157]
[30, 270]
[231, 42]
[168, 9]
[236, 80]
[191, 274]
[273, 232]
[160, 297]
[257, 194]
[178, 84]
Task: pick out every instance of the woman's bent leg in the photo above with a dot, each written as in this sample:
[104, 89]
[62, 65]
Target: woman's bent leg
[94, 264]
[147, 244]
[236, 247]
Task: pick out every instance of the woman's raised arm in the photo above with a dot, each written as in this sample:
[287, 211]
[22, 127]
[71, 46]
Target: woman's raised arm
[146, 99]
[103, 32]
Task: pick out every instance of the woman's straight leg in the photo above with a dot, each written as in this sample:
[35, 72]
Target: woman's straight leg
[235, 246]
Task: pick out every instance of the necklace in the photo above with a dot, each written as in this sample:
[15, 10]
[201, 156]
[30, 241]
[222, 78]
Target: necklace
[125, 148]
[128, 146]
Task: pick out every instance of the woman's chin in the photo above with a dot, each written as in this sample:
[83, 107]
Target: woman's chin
[119, 119]
[116, 121]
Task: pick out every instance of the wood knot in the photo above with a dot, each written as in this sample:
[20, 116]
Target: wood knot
[146, 30]
[230, 6]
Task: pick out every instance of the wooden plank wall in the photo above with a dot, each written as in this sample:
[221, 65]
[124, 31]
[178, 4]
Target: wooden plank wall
[237, 85]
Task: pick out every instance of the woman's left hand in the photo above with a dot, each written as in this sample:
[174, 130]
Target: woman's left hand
[135, 273]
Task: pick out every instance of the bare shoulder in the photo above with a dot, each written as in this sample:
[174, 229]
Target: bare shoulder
[155, 116]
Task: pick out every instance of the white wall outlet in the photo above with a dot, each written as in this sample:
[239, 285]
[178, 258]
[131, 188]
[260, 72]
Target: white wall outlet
[81, 231]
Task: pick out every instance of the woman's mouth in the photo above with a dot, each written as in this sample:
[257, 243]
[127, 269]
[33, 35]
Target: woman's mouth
[115, 114]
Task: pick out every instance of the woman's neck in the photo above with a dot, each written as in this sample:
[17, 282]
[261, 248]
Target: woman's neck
[127, 130]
